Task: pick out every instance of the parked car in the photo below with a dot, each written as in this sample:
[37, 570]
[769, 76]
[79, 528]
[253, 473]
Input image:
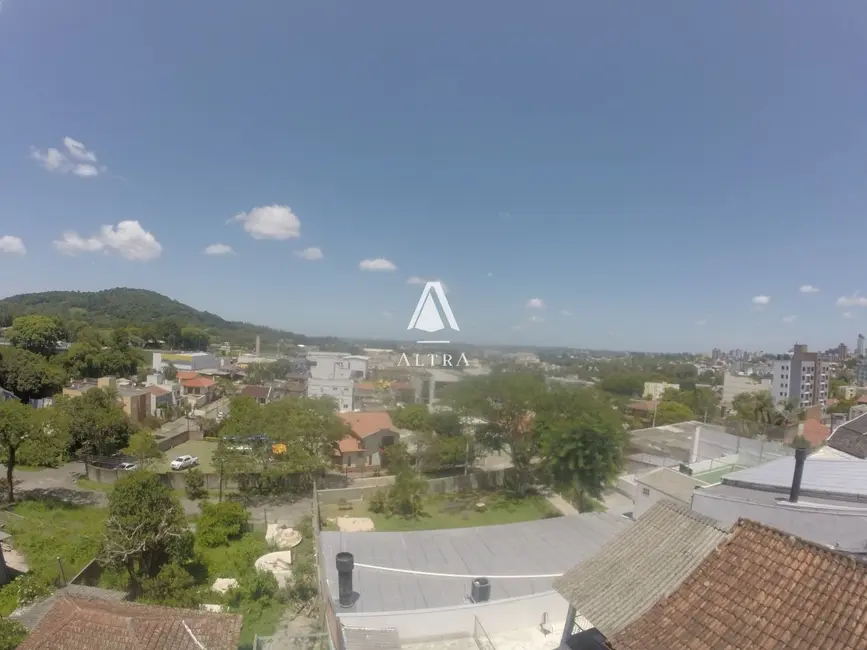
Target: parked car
[185, 462]
[127, 467]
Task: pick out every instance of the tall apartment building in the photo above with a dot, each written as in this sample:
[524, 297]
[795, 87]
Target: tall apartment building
[802, 375]
[861, 346]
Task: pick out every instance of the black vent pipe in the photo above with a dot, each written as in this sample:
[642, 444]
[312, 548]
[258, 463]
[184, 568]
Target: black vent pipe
[800, 458]
[345, 564]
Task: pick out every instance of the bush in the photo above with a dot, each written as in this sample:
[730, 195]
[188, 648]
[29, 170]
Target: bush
[194, 484]
[220, 523]
[12, 634]
[377, 502]
[30, 589]
[173, 586]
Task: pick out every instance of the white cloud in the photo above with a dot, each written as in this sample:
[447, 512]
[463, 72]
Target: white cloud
[761, 300]
[565, 312]
[77, 150]
[270, 222]
[848, 314]
[219, 249]
[378, 264]
[312, 253]
[852, 301]
[419, 280]
[537, 319]
[789, 319]
[128, 239]
[808, 288]
[701, 322]
[535, 303]
[490, 275]
[12, 245]
[77, 160]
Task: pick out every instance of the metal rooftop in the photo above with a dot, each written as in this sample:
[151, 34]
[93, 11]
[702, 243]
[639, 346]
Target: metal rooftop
[434, 568]
[836, 479]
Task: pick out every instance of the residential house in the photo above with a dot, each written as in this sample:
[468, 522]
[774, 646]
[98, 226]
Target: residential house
[814, 432]
[369, 434]
[663, 484]
[340, 390]
[162, 400]
[100, 624]
[641, 565]
[199, 390]
[6, 394]
[136, 401]
[262, 394]
[762, 588]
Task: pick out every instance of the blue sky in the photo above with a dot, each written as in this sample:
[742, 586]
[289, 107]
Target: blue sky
[643, 170]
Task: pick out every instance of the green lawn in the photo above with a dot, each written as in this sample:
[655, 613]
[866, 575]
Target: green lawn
[715, 475]
[48, 529]
[456, 510]
[204, 449]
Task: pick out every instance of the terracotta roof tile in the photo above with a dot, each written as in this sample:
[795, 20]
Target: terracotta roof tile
[258, 392]
[647, 405]
[349, 444]
[157, 390]
[88, 624]
[644, 563]
[815, 432]
[364, 424]
[199, 382]
[761, 588]
[187, 374]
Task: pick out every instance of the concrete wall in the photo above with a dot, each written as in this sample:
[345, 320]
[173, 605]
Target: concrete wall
[475, 481]
[497, 617]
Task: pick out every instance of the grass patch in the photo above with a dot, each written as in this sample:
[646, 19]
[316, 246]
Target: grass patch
[96, 486]
[47, 529]
[204, 449]
[455, 510]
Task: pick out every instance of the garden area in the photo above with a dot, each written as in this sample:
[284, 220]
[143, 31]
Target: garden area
[169, 563]
[454, 510]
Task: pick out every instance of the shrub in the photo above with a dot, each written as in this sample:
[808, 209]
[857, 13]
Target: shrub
[377, 502]
[220, 523]
[194, 484]
[30, 589]
[12, 634]
[173, 586]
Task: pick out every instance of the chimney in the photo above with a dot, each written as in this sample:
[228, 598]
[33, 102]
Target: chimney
[258, 345]
[695, 442]
[800, 457]
[345, 564]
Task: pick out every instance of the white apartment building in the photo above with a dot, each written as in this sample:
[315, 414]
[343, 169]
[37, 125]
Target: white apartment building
[655, 389]
[337, 365]
[340, 390]
[801, 375]
[734, 385]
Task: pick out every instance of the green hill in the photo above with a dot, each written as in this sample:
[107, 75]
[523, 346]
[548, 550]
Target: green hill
[122, 307]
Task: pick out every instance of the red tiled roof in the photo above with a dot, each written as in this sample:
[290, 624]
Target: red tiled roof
[90, 624]
[862, 399]
[831, 401]
[364, 385]
[187, 374]
[259, 392]
[364, 424]
[349, 444]
[199, 382]
[761, 588]
[815, 432]
[648, 405]
[400, 385]
[156, 390]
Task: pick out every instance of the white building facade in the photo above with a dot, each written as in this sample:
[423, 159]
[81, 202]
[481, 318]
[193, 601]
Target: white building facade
[185, 360]
[801, 375]
[340, 390]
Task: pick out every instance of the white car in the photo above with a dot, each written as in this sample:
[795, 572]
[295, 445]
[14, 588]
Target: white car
[127, 467]
[184, 462]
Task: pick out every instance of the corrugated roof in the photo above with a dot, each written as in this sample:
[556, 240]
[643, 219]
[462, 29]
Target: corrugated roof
[543, 548]
[641, 565]
[851, 437]
[842, 479]
[761, 589]
[672, 483]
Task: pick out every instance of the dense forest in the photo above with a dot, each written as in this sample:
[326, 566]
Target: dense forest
[122, 307]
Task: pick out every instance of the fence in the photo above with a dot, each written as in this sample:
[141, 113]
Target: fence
[329, 617]
[481, 637]
[478, 480]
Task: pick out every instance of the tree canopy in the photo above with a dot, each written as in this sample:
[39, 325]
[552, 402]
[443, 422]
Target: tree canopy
[39, 334]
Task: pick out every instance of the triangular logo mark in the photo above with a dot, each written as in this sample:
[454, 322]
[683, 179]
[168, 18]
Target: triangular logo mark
[426, 316]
